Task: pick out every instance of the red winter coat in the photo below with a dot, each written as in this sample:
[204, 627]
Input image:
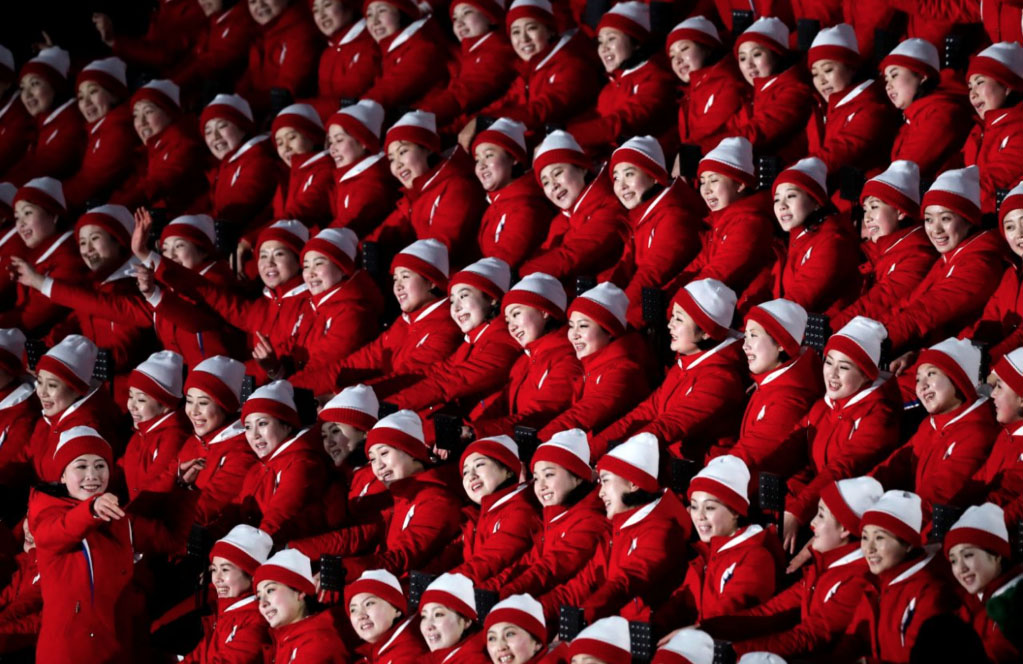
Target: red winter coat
[399, 645]
[92, 410]
[221, 49]
[585, 240]
[484, 69]
[515, 221]
[414, 62]
[307, 194]
[847, 131]
[364, 194]
[634, 571]
[995, 146]
[775, 120]
[1003, 20]
[57, 148]
[170, 35]
[780, 8]
[152, 451]
[539, 387]
[174, 173]
[312, 640]
[109, 157]
[999, 325]
[612, 383]
[820, 267]
[895, 266]
[974, 612]
[934, 128]
[698, 405]
[243, 184]
[470, 650]
[844, 439]
[283, 55]
[19, 412]
[21, 604]
[16, 130]
[1001, 476]
[715, 94]
[944, 453]
[347, 68]
[501, 534]
[236, 634]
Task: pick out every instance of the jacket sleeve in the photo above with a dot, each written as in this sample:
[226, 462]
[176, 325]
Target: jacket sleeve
[643, 415]
[958, 465]
[575, 88]
[764, 124]
[62, 530]
[126, 309]
[770, 434]
[925, 144]
[456, 214]
[298, 490]
[583, 249]
[689, 416]
[522, 232]
[752, 582]
[556, 397]
[569, 558]
[406, 82]
[677, 243]
[617, 391]
[821, 276]
[857, 138]
[372, 359]
[576, 590]
[348, 541]
[899, 469]
[644, 107]
[892, 288]
[223, 487]
[740, 256]
[502, 548]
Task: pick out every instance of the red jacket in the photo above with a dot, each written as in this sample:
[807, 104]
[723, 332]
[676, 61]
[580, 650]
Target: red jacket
[780, 8]
[221, 48]
[974, 612]
[283, 55]
[698, 405]
[236, 634]
[413, 63]
[16, 130]
[612, 383]
[57, 257]
[847, 131]
[400, 645]
[587, 239]
[347, 68]
[1003, 20]
[775, 120]
[895, 266]
[515, 221]
[633, 572]
[569, 538]
[995, 146]
[364, 194]
[19, 412]
[174, 173]
[152, 451]
[820, 267]
[109, 158]
[92, 410]
[21, 604]
[844, 439]
[538, 388]
[312, 640]
[470, 650]
[169, 37]
[634, 101]
[1001, 476]
[243, 183]
[944, 453]
[482, 72]
[999, 325]
[714, 95]
[57, 148]
[951, 296]
[307, 194]
[502, 532]
[934, 128]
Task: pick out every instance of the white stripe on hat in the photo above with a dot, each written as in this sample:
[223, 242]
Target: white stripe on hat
[357, 397]
[904, 176]
[545, 286]
[164, 367]
[237, 102]
[112, 66]
[55, 58]
[78, 354]
[406, 421]
[169, 89]
[771, 28]
[715, 299]
[430, 251]
[962, 182]
[841, 35]
[735, 151]
[49, 186]
[368, 113]
[695, 645]
[228, 370]
[253, 541]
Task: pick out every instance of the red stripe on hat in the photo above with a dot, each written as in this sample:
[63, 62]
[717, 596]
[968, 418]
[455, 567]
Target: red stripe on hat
[422, 268]
[477, 281]
[624, 469]
[562, 457]
[917, 66]
[104, 80]
[62, 371]
[380, 589]
[623, 24]
[414, 134]
[832, 52]
[724, 493]
[952, 369]
[977, 537]
[112, 226]
[272, 407]
[727, 170]
[215, 388]
[759, 38]
[892, 524]
[398, 439]
[832, 497]
[892, 196]
[190, 233]
[518, 618]
[288, 239]
[777, 331]
[283, 575]
[155, 96]
[693, 35]
[531, 299]
[45, 72]
[356, 130]
[226, 112]
[1009, 375]
[599, 314]
[299, 123]
[642, 161]
[529, 11]
[495, 451]
[958, 204]
[559, 156]
[600, 649]
[1010, 204]
[75, 448]
[804, 182]
[230, 552]
[144, 383]
[502, 141]
[333, 252]
[356, 418]
[39, 197]
[986, 66]
[844, 344]
[444, 598]
[685, 300]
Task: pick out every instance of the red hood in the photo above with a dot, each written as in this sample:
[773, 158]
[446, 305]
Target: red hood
[523, 187]
[756, 204]
[357, 288]
[804, 371]
[444, 476]
[667, 508]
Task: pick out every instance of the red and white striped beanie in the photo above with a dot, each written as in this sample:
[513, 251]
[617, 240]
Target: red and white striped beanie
[230, 107]
[163, 93]
[860, 339]
[959, 359]
[276, 399]
[199, 229]
[636, 460]
[356, 405]
[848, 499]
[982, 526]
[46, 192]
[559, 147]
[810, 175]
[958, 190]
[114, 219]
[767, 31]
[290, 567]
[75, 442]
[1010, 369]
[522, 611]
[898, 186]
[72, 360]
[304, 119]
[646, 153]
[419, 127]
[1002, 61]
[221, 378]
[489, 275]
[569, 449]
[52, 64]
[12, 351]
[710, 303]
[502, 449]
[836, 43]
[538, 10]
[492, 9]
[339, 245]
[380, 583]
[631, 18]
[245, 546]
[606, 304]
[733, 157]
[427, 258]
[540, 291]
[1013, 201]
[403, 431]
[108, 73]
[784, 320]
[915, 54]
[697, 29]
[160, 376]
[727, 479]
[688, 646]
[455, 591]
[363, 121]
[607, 639]
[507, 134]
[292, 233]
[898, 512]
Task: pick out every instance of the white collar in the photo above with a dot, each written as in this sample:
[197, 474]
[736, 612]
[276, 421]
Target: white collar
[255, 140]
[94, 128]
[736, 540]
[288, 443]
[53, 247]
[20, 394]
[234, 429]
[443, 165]
[654, 203]
[76, 405]
[357, 29]
[60, 109]
[585, 192]
[361, 167]
[855, 92]
[641, 514]
[426, 312]
[405, 34]
[634, 69]
[161, 420]
[509, 496]
[894, 244]
[777, 372]
[913, 570]
[861, 395]
[312, 160]
[297, 290]
[1018, 432]
[481, 40]
[724, 344]
[224, 15]
[398, 631]
[850, 557]
[974, 406]
[240, 603]
[557, 47]
[125, 271]
[477, 337]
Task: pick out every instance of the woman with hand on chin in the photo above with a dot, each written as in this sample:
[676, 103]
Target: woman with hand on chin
[376, 606]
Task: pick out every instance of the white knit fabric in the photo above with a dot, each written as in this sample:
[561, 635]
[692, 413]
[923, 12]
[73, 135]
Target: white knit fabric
[406, 421]
[637, 12]
[201, 222]
[921, 50]
[771, 28]
[904, 506]
[357, 397]
[641, 451]
[714, 298]
[866, 333]
[253, 541]
[841, 35]
[860, 493]
[903, 176]
[735, 151]
[789, 315]
[545, 286]
[730, 472]
[610, 297]
[12, 340]
[458, 585]
[55, 58]
[169, 89]
[280, 391]
[513, 129]
[963, 353]
[304, 111]
[648, 146]
[113, 67]
[700, 24]
[237, 102]
[694, 644]
[1009, 54]
[962, 182]
[51, 187]
[494, 270]
[613, 631]
[430, 251]
[368, 113]
[78, 354]
[228, 370]
[557, 140]
[165, 368]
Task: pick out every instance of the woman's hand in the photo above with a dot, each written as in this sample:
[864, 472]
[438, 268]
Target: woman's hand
[105, 28]
[188, 471]
[466, 135]
[801, 559]
[264, 353]
[145, 280]
[902, 362]
[140, 236]
[25, 274]
[106, 507]
[790, 528]
[243, 251]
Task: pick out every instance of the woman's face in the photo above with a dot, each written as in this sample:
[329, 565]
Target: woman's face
[265, 433]
[371, 616]
[468, 22]
[719, 191]
[222, 137]
[901, 85]
[36, 94]
[585, 335]
[149, 119]
[408, 161]
[685, 334]
[86, 477]
[340, 440]
[686, 57]
[756, 61]
[529, 37]
[290, 143]
[469, 307]
[792, 206]
[54, 394]
[986, 94]
[343, 148]
[526, 324]
[229, 579]
[1012, 225]
[98, 248]
[613, 48]
[882, 549]
[493, 166]
[143, 407]
[211, 7]
[842, 377]
[481, 476]
[331, 15]
[94, 102]
[33, 223]
[562, 184]
[552, 483]
[630, 184]
[410, 289]
[320, 273]
[382, 20]
[280, 605]
[831, 76]
[1008, 404]
[828, 533]
[441, 627]
[510, 644]
[612, 490]
[945, 229]
[880, 219]
[264, 11]
[183, 252]
[277, 263]
[203, 412]
[390, 464]
[762, 352]
[711, 517]
[973, 567]
[935, 391]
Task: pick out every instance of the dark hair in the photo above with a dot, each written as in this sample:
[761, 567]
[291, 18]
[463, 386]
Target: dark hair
[494, 310]
[818, 216]
[927, 87]
[653, 191]
[707, 343]
[639, 497]
[581, 490]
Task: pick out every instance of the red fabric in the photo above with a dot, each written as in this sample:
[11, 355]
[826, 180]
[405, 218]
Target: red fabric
[58, 145]
[586, 239]
[943, 454]
[867, 16]
[895, 265]
[847, 131]
[413, 63]
[399, 645]
[714, 95]
[820, 268]
[92, 410]
[235, 634]
[312, 639]
[503, 532]
[996, 148]
[152, 451]
[110, 156]
[364, 194]
[19, 412]
[16, 130]
[515, 222]
[221, 48]
[1001, 476]
[999, 325]
[482, 72]
[828, 12]
[934, 128]
[974, 612]
[776, 117]
[21, 604]
[56, 257]
[169, 36]
[779, 8]
[470, 650]
[347, 68]
[242, 184]
[1003, 20]
[283, 55]
[307, 194]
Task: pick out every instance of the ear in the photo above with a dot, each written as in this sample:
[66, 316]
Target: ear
[633, 487]
[741, 188]
[900, 215]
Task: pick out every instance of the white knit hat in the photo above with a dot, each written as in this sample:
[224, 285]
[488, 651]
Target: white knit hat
[290, 567]
[160, 376]
[646, 153]
[245, 546]
[898, 512]
[810, 175]
[1002, 61]
[230, 107]
[1013, 201]
[292, 233]
[541, 10]
[761, 657]
[958, 190]
[427, 258]
[982, 526]
[303, 118]
[835, 43]
[363, 120]
[860, 339]
[72, 360]
[540, 291]
[507, 134]
[848, 499]
[221, 378]
[767, 31]
[116, 220]
[490, 275]
[73, 443]
[46, 192]
[898, 186]
[696, 29]
[419, 127]
[165, 94]
[199, 229]
[784, 320]
[521, 610]
[377, 582]
[52, 63]
[276, 399]
[915, 54]
[402, 430]
[710, 303]
[636, 460]
[454, 591]
[959, 359]
[12, 351]
[569, 449]
[1010, 369]
[632, 18]
[502, 449]
[109, 73]
[558, 147]
[607, 639]
[356, 405]
[733, 157]
[688, 646]
[727, 479]
[339, 245]
[606, 304]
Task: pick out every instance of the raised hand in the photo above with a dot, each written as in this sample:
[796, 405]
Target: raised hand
[25, 274]
[106, 507]
[140, 236]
